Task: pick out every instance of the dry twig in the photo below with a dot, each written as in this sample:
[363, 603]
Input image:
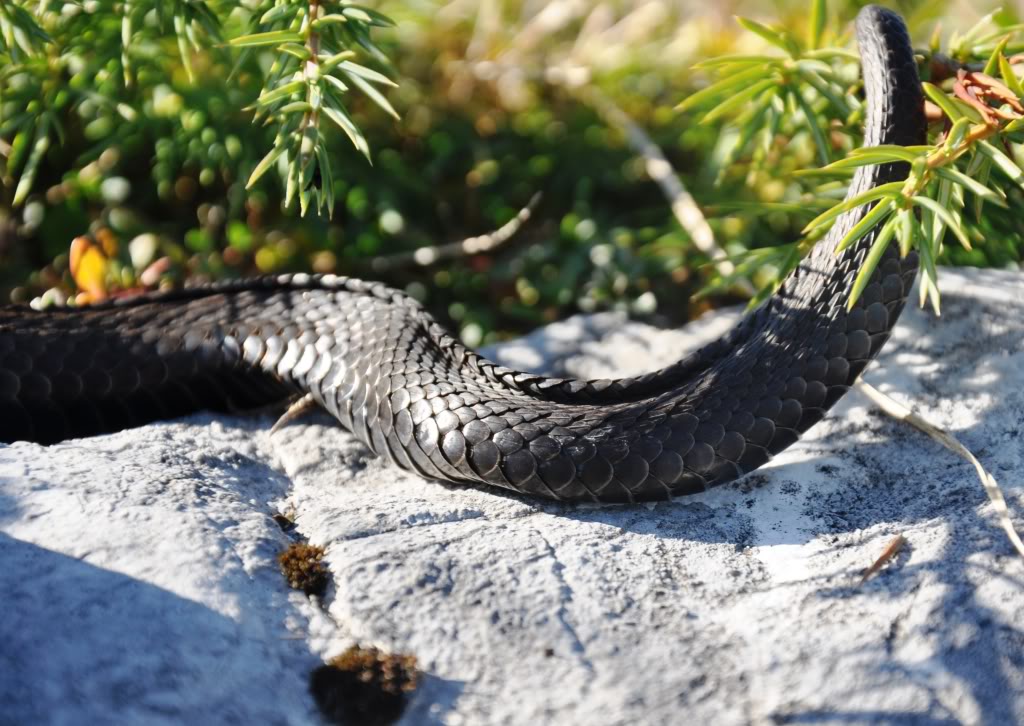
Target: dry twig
[683, 205]
[901, 413]
[893, 549]
[426, 256]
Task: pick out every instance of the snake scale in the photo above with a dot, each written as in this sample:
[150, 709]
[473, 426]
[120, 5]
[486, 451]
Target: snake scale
[376, 360]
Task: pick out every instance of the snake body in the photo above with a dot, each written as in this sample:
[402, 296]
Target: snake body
[377, 361]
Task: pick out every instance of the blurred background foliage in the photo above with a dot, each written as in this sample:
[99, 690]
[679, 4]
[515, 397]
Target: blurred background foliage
[155, 147]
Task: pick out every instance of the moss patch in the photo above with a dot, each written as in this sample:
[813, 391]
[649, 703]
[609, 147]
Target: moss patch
[302, 566]
[364, 686]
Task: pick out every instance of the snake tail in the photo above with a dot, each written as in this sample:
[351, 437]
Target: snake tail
[377, 361]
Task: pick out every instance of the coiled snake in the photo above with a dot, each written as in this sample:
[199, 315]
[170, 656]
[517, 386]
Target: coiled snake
[388, 372]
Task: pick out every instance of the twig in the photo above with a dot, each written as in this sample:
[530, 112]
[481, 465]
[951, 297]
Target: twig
[995, 494]
[893, 549]
[683, 205]
[576, 77]
[576, 80]
[426, 256]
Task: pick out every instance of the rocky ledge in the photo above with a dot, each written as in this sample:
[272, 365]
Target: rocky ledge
[140, 582]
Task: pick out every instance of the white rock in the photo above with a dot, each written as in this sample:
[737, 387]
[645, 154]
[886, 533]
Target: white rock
[139, 582]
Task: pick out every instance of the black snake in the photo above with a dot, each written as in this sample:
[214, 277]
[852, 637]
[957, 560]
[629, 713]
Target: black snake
[388, 372]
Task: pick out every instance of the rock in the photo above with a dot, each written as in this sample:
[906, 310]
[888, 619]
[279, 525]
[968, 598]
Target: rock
[140, 581]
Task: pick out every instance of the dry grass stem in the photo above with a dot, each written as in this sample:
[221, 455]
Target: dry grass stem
[901, 413]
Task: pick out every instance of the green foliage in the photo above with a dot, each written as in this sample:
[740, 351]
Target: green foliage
[307, 82]
[970, 157]
[103, 64]
[150, 162]
[801, 93]
[164, 196]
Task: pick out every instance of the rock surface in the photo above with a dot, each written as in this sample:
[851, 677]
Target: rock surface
[140, 585]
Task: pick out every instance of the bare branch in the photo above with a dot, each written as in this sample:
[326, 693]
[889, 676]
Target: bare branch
[684, 207]
[426, 256]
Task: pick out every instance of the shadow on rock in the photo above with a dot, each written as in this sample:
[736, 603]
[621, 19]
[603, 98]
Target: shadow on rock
[82, 643]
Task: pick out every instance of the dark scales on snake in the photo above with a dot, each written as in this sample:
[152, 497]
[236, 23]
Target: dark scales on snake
[388, 372]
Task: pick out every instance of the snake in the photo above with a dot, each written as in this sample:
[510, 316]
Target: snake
[375, 359]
